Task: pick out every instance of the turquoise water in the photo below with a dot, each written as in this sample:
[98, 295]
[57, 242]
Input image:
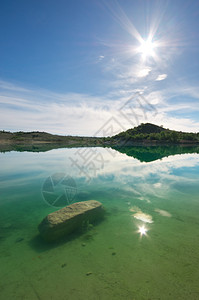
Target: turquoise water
[145, 248]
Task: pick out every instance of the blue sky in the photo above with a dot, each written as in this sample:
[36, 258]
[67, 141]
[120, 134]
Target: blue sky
[94, 67]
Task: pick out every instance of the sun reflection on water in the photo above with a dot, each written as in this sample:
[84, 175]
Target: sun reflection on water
[142, 230]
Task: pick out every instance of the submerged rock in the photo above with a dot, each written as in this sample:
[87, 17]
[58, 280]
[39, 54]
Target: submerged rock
[69, 219]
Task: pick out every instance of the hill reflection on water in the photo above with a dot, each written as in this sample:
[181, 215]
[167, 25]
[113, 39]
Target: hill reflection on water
[152, 153]
[142, 153]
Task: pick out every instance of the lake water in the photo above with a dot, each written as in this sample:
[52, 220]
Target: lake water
[145, 248]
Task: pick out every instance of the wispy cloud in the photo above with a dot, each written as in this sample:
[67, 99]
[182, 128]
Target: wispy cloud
[4, 85]
[83, 114]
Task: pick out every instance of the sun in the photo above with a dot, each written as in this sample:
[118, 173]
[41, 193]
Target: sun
[146, 48]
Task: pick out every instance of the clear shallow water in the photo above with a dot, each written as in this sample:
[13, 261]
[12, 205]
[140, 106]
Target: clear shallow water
[113, 260]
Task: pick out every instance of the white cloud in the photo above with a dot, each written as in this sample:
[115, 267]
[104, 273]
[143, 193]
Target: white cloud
[161, 77]
[144, 72]
[101, 57]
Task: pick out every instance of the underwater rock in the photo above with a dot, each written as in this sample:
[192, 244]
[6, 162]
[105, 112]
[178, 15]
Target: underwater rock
[69, 219]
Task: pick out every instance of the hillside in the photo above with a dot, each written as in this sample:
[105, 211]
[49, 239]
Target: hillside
[150, 133]
[40, 139]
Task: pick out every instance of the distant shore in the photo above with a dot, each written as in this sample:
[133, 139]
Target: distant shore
[143, 135]
[37, 138]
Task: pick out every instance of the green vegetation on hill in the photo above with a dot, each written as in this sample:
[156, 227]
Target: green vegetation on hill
[153, 133]
[144, 134]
